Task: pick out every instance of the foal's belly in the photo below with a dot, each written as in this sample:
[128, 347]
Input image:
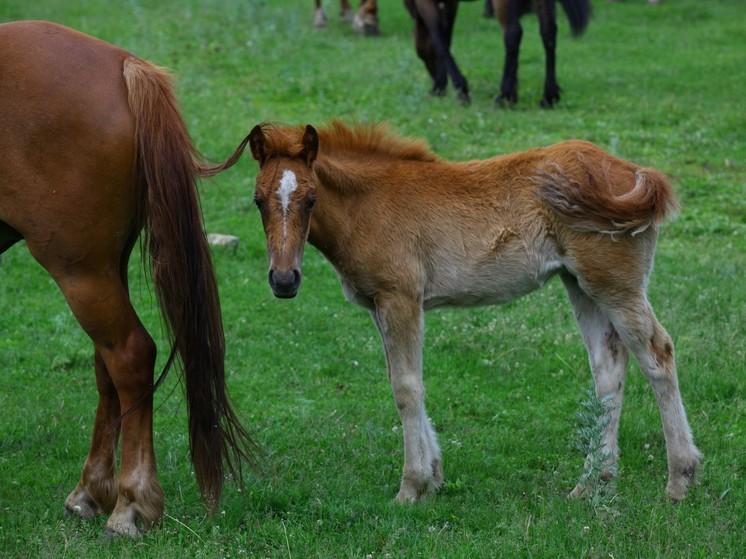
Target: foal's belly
[490, 279]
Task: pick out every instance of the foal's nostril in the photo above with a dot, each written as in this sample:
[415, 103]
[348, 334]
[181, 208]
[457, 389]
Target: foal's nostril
[284, 283]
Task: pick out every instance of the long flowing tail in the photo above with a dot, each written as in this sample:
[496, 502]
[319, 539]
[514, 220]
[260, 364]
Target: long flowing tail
[183, 275]
[612, 197]
[578, 14]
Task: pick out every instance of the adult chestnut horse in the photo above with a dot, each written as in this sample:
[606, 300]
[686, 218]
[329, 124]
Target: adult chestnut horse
[433, 31]
[94, 150]
[407, 231]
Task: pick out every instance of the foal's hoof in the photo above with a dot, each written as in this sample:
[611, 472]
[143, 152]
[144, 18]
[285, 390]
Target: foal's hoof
[579, 492]
[438, 91]
[678, 487]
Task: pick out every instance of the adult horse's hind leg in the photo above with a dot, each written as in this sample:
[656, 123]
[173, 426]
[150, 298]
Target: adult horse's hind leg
[97, 489]
[125, 357]
[548, 28]
[508, 12]
[608, 358]
[434, 22]
[423, 44]
[400, 322]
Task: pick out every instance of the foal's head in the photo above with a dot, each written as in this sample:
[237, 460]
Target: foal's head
[285, 195]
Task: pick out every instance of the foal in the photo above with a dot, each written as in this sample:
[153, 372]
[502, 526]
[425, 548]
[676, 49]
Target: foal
[407, 231]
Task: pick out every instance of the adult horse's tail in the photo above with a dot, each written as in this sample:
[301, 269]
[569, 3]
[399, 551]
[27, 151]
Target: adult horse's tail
[578, 14]
[185, 284]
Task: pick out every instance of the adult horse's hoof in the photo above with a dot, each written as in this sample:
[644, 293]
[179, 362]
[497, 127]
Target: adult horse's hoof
[548, 103]
[80, 503]
[126, 521]
[463, 98]
[504, 101]
[438, 91]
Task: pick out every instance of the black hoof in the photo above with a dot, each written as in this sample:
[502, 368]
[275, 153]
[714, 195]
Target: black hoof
[505, 102]
[463, 98]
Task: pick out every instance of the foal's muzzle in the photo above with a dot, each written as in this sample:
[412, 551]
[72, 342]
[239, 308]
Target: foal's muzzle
[284, 283]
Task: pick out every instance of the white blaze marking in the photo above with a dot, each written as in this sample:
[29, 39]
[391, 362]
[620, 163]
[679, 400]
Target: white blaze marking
[288, 185]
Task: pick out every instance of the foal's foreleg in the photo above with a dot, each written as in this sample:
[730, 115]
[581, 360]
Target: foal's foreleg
[400, 322]
[608, 358]
[653, 348]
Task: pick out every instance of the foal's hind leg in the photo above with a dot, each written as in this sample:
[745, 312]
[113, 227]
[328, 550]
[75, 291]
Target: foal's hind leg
[608, 358]
[653, 348]
[401, 323]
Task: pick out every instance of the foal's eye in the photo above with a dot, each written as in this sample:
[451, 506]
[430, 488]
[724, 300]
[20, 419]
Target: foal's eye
[259, 203]
[310, 202]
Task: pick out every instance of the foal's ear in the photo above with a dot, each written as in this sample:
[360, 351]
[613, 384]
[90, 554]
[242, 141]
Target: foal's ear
[310, 144]
[256, 143]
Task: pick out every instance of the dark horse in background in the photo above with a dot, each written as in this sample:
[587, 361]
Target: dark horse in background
[433, 31]
[93, 151]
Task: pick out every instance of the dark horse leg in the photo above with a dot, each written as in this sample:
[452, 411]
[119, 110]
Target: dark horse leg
[508, 13]
[433, 32]
[547, 12]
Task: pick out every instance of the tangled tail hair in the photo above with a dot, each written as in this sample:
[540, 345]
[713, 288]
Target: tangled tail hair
[183, 275]
[591, 204]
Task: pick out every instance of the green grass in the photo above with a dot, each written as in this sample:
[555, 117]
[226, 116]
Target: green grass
[660, 85]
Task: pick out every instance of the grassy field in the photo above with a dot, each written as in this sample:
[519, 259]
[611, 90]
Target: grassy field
[660, 85]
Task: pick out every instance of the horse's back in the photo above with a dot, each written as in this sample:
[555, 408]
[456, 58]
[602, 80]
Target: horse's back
[66, 133]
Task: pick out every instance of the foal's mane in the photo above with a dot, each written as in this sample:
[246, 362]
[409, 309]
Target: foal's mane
[350, 158]
[338, 140]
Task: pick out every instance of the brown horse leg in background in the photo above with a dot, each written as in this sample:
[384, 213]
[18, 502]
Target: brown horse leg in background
[433, 31]
[365, 20]
[346, 14]
[94, 149]
[509, 13]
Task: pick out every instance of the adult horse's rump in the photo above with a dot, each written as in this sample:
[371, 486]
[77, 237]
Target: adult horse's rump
[93, 150]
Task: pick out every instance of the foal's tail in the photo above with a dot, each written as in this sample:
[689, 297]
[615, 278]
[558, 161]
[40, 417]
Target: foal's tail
[185, 284]
[613, 196]
[578, 14]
